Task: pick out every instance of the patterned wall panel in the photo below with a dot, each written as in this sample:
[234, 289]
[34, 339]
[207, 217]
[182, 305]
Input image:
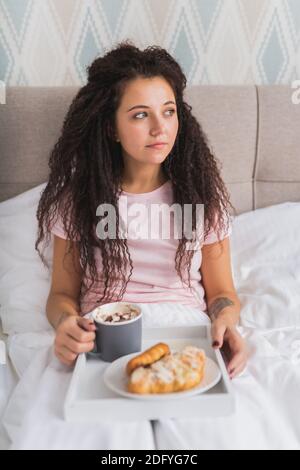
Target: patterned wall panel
[50, 42]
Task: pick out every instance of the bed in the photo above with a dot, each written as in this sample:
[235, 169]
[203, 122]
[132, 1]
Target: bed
[254, 134]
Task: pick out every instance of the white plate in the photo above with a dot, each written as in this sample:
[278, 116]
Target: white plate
[115, 379]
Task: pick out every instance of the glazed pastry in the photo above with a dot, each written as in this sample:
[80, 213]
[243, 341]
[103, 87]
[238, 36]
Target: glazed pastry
[148, 357]
[172, 373]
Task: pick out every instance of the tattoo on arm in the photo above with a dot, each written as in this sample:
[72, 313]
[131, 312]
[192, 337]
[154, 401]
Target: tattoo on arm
[218, 305]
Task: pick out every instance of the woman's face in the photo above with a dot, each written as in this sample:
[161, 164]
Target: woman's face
[147, 114]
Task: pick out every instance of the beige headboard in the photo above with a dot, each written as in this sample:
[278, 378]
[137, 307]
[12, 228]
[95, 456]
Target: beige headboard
[253, 131]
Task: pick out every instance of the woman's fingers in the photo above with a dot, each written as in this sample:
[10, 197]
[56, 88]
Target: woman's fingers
[86, 324]
[233, 347]
[69, 351]
[238, 352]
[235, 361]
[78, 347]
[63, 359]
[80, 335]
[217, 334]
[238, 370]
[238, 361]
[66, 354]
[75, 335]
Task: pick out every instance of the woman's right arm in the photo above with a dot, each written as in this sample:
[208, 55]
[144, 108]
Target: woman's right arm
[74, 334]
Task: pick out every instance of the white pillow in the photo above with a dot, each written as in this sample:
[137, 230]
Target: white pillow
[265, 251]
[24, 280]
[266, 264]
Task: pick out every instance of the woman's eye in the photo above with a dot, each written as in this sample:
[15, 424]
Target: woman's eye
[172, 111]
[168, 110]
[136, 115]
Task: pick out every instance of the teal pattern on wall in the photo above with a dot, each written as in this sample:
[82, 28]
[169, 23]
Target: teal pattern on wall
[226, 42]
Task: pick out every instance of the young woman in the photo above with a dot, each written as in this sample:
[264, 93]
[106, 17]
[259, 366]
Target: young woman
[130, 136]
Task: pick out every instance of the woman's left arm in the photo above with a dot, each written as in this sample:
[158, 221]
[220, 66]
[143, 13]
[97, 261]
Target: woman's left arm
[223, 304]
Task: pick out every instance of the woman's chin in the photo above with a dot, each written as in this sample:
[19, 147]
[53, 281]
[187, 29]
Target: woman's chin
[155, 158]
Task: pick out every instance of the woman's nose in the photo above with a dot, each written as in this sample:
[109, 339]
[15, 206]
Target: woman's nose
[157, 128]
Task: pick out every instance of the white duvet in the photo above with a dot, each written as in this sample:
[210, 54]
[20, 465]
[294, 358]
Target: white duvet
[266, 266]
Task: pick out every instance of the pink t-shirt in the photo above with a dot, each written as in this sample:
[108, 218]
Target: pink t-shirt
[154, 277]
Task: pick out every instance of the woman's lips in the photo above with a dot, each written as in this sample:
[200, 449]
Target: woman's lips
[156, 146]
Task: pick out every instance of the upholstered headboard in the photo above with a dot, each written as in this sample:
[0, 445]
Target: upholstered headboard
[253, 131]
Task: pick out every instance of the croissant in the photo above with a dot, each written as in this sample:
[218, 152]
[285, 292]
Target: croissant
[148, 357]
[171, 373]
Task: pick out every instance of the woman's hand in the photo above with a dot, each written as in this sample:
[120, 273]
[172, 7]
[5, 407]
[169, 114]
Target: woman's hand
[226, 336]
[74, 335]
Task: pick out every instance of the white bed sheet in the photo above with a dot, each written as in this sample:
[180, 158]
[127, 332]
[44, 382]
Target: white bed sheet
[267, 394]
[266, 267]
[267, 413]
[34, 415]
[8, 381]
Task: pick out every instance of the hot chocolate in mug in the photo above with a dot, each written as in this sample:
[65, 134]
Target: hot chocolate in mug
[118, 330]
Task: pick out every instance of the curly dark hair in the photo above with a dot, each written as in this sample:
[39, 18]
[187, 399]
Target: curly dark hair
[86, 166]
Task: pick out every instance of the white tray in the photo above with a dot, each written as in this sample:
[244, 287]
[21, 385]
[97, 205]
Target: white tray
[89, 400]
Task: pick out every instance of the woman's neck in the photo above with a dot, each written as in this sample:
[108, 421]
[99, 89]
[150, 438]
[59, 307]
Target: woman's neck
[142, 182]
